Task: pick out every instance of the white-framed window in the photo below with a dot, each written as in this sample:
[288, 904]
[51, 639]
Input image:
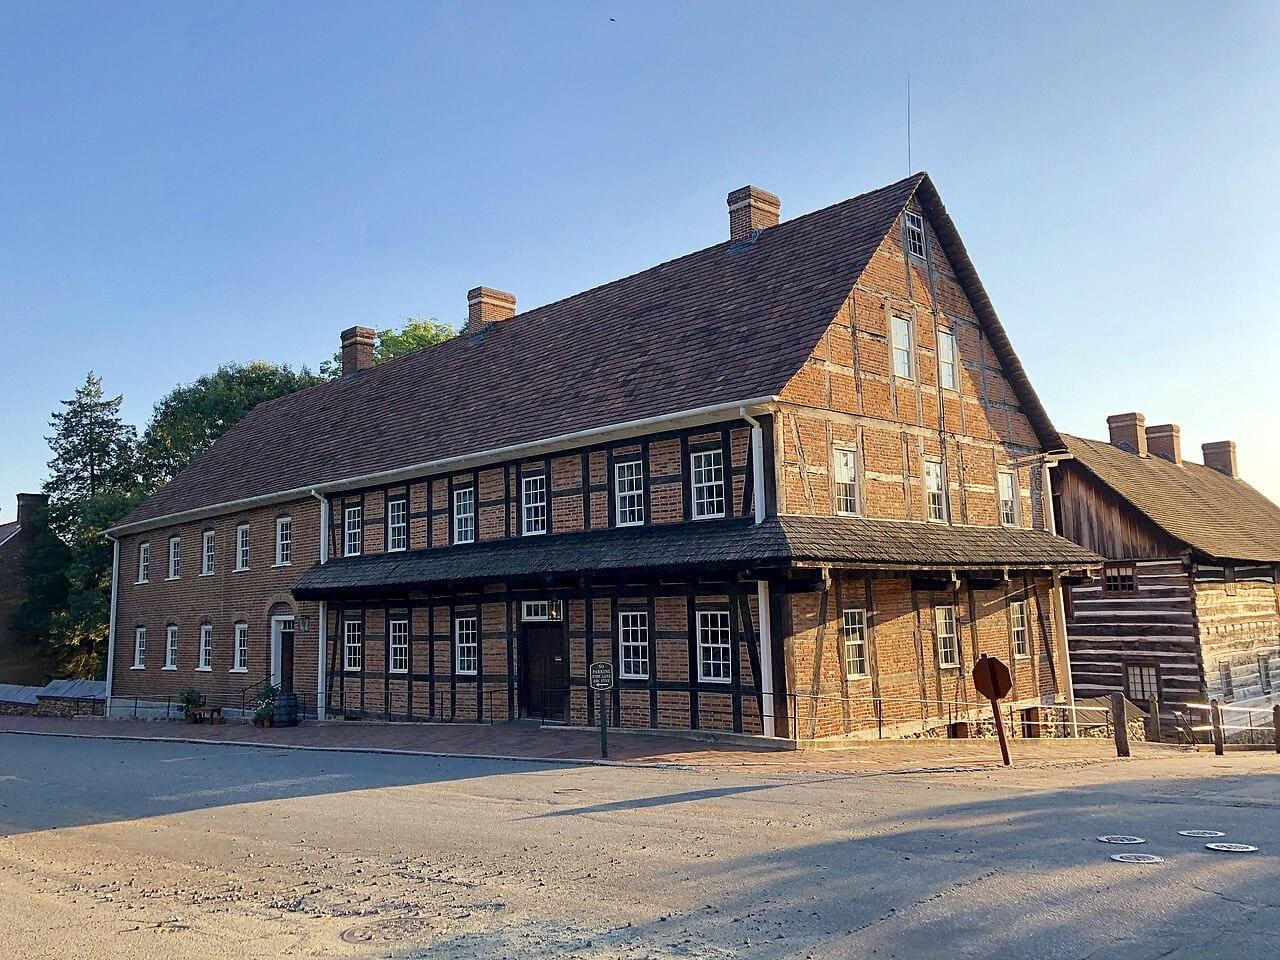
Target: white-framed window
[1008, 498]
[175, 557]
[352, 645]
[206, 553]
[846, 481]
[464, 515]
[708, 484]
[1264, 671]
[139, 648]
[853, 630]
[204, 661]
[542, 610]
[715, 649]
[633, 644]
[947, 378]
[935, 494]
[944, 620]
[902, 352]
[240, 651]
[398, 632]
[144, 562]
[915, 235]
[242, 547]
[171, 647]
[628, 493]
[284, 541]
[397, 525]
[352, 531]
[466, 646]
[1142, 682]
[533, 505]
[1018, 627]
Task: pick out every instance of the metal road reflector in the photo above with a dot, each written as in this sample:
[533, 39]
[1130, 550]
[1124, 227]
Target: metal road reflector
[1201, 833]
[1231, 847]
[1136, 858]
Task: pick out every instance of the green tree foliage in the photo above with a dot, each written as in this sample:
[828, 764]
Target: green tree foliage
[93, 482]
[44, 565]
[192, 416]
[414, 335]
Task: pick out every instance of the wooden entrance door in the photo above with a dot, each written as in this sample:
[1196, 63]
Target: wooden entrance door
[545, 671]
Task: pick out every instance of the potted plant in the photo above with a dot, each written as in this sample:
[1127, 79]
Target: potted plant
[265, 715]
[190, 701]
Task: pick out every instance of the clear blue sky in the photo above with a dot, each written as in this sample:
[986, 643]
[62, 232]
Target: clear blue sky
[187, 184]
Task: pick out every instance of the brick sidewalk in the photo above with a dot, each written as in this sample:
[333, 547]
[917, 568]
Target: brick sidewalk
[527, 742]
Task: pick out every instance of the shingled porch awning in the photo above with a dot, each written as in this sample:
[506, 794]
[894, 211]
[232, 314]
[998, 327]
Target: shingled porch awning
[738, 545]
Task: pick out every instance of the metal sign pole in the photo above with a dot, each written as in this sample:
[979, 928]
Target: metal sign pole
[604, 726]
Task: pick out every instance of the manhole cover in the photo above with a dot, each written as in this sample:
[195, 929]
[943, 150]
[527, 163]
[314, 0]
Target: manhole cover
[1231, 847]
[1136, 858]
[1201, 833]
[1120, 838]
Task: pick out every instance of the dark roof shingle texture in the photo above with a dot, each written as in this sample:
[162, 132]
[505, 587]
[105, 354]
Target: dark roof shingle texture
[777, 542]
[730, 323]
[1207, 510]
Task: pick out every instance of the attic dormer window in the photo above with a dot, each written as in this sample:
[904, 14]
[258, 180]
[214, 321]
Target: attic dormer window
[915, 235]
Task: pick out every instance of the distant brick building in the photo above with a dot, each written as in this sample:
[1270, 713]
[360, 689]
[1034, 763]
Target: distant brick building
[790, 484]
[17, 664]
[1188, 605]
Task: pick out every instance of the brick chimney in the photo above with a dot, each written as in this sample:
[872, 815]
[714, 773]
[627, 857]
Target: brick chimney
[29, 504]
[1165, 441]
[1221, 455]
[357, 350]
[751, 208]
[487, 305]
[1128, 432]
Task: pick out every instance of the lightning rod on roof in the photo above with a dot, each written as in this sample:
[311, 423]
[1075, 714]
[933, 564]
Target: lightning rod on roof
[909, 167]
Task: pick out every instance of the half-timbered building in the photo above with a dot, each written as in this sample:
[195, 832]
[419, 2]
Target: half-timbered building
[1188, 604]
[792, 484]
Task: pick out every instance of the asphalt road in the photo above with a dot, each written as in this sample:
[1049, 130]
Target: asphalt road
[113, 849]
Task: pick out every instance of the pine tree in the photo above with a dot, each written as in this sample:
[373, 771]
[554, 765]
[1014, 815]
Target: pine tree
[93, 482]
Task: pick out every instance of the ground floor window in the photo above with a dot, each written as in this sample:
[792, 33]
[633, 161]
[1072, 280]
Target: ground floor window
[944, 619]
[633, 644]
[205, 660]
[240, 659]
[854, 631]
[1142, 682]
[171, 647]
[140, 648]
[714, 646]
[466, 640]
[1226, 680]
[1264, 671]
[398, 631]
[352, 645]
[1018, 628]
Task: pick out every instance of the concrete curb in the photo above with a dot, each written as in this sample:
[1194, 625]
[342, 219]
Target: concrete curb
[562, 761]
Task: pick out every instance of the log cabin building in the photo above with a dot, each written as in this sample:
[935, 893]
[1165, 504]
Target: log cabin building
[790, 485]
[1188, 604]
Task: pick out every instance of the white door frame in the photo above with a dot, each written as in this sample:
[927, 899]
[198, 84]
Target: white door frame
[276, 626]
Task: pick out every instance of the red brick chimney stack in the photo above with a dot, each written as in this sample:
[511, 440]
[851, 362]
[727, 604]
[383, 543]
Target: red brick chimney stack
[1128, 432]
[1165, 441]
[751, 208]
[357, 350]
[28, 504]
[487, 305]
[1221, 455]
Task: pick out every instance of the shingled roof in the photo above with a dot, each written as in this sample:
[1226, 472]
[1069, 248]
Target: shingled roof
[727, 545]
[1210, 512]
[727, 325]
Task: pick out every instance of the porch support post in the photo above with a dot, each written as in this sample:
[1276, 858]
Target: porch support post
[1060, 622]
[321, 651]
[766, 656]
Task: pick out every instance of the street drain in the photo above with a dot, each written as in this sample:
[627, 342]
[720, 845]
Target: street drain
[1136, 858]
[1231, 847]
[1201, 833]
[1120, 838]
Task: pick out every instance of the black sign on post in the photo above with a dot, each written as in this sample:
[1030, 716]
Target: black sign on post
[600, 677]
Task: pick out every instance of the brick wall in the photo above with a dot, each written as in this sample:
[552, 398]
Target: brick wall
[847, 394]
[222, 599]
[917, 694]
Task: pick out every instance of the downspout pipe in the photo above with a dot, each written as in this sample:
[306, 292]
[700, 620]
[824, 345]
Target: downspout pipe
[762, 586]
[111, 619]
[322, 616]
